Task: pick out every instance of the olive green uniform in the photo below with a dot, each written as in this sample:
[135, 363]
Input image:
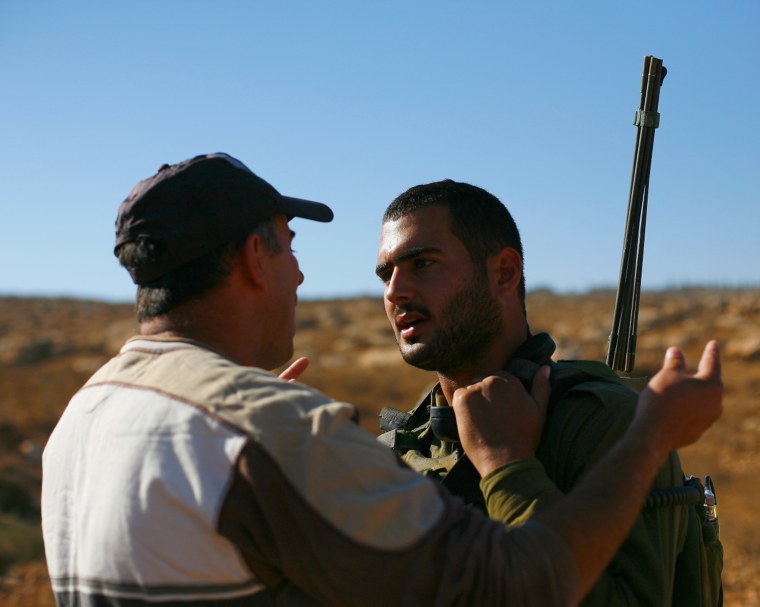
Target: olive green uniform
[584, 420]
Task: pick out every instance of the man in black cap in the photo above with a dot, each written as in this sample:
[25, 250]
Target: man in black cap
[184, 472]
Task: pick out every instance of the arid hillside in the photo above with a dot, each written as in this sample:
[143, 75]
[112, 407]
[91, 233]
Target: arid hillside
[48, 347]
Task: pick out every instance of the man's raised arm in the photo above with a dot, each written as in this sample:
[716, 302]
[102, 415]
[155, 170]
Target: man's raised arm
[596, 515]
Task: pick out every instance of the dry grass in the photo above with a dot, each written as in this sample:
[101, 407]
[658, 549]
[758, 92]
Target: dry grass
[49, 347]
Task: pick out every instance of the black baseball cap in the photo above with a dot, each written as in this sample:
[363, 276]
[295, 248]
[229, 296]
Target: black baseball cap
[193, 207]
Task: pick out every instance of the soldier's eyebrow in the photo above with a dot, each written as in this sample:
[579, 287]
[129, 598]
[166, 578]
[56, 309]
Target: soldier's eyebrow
[381, 268]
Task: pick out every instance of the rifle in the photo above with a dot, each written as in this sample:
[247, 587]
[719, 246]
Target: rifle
[622, 342]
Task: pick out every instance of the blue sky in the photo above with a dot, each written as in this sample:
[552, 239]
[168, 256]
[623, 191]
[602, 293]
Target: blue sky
[351, 103]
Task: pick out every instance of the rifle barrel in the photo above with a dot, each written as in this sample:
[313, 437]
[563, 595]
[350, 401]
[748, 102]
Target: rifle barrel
[622, 342]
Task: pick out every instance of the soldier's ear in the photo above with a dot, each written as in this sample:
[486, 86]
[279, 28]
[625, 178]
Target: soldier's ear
[508, 268]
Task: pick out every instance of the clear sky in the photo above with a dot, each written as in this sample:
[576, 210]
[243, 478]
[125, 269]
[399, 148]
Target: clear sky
[351, 103]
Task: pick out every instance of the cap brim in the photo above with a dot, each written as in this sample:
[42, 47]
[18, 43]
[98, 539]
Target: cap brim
[307, 209]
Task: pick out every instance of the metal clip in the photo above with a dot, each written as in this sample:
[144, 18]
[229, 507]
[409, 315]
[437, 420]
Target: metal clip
[710, 506]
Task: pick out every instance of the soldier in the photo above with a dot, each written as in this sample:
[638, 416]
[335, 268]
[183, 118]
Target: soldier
[451, 260]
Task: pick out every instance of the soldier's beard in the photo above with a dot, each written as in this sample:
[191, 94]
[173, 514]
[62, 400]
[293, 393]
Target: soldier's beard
[468, 326]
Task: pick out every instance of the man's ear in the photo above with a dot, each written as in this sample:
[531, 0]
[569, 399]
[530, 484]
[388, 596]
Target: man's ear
[507, 264]
[252, 259]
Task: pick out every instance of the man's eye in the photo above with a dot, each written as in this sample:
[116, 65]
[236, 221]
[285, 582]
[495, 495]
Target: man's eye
[422, 263]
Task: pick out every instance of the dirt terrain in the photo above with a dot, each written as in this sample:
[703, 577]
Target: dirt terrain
[48, 348]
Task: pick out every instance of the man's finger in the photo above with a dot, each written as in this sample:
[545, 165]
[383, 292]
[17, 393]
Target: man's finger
[709, 364]
[674, 359]
[293, 372]
[500, 373]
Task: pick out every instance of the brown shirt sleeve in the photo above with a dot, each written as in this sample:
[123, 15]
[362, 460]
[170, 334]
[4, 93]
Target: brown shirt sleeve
[460, 558]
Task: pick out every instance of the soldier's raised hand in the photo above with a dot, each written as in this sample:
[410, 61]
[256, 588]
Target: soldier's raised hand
[499, 421]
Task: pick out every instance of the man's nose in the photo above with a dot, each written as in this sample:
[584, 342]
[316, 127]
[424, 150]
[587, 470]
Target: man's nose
[398, 288]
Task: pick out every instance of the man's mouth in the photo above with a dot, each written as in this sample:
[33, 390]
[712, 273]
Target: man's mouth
[409, 324]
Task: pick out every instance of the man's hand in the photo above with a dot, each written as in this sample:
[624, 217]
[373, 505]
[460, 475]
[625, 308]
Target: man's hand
[293, 372]
[678, 407]
[499, 421]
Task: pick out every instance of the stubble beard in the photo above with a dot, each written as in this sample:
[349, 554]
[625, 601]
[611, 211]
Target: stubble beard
[470, 323]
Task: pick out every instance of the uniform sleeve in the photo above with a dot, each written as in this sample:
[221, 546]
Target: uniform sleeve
[516, 491]
[414, 544]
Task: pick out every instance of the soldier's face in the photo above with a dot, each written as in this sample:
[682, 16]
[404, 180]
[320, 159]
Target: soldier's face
[440, 305]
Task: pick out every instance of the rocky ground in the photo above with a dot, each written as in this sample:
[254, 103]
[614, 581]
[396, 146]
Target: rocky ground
[48, 347]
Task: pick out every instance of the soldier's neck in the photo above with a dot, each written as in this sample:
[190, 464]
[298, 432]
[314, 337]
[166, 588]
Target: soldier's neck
[494, 360]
